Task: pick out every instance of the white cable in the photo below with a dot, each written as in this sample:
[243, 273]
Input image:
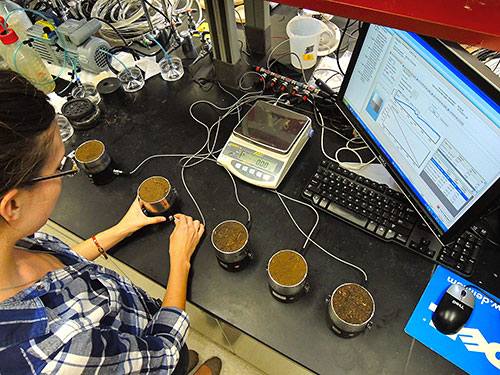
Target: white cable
[186, 159]
[127, 16]
[314, 242]
[209, 129]
[153, 157]
[315, 212]
[291, 53]
[240, 82]
[273, 50]
[249, 217]
[279, 98]
[335, 159]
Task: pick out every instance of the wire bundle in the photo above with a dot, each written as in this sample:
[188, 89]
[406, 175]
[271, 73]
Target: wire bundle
[125, 20]
[126, 16]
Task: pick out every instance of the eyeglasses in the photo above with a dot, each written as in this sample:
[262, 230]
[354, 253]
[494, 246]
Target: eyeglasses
[68, 168]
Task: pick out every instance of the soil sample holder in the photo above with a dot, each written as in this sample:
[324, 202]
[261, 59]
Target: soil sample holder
[286, 276]
[230, 240]
[156, 196]
[350, 310]
[95, 162]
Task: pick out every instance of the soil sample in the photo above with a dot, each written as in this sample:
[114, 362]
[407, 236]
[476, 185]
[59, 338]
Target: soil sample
[229, 236]
[154, 189]
[352, 304]
[89, 151]
[287, 268]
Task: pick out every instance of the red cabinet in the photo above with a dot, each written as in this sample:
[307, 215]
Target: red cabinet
[475, 22]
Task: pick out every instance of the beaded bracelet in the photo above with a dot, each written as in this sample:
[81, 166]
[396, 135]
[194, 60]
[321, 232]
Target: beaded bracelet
[99, 247]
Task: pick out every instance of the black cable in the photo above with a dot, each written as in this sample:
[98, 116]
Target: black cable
[239, 16]
[340, 44]
[336, 120]
[158, 10]
[202, 82]
[114, 29]
[483, 219]
[118, 49]
[485, 238]
[482, 290]
[142, 53]
[336, 73]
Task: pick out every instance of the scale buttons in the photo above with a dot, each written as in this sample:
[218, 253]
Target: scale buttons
[237, 165]
[252, 171]
[258, 174]
[267, 177]
[244, 168]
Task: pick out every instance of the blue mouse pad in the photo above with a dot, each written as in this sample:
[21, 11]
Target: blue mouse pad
[476, 347]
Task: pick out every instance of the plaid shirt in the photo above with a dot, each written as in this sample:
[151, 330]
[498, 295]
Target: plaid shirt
[86, 319]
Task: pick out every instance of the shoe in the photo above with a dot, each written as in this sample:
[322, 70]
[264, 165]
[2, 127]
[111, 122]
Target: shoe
[211, 366]
[193, 360]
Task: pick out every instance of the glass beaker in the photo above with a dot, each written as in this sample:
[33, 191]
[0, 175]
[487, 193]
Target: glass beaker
[86, 90]
[171, 69]
[65, 128]
[132, 79]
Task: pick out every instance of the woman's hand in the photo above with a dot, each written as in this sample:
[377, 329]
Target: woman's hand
[135, 219]
[184, 238]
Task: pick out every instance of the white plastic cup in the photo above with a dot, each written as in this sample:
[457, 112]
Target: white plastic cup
[304, 34]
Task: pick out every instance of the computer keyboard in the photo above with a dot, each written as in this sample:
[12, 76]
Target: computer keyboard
[386, 214]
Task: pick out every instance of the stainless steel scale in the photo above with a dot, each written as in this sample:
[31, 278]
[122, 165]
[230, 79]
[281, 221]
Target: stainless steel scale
[265, 143]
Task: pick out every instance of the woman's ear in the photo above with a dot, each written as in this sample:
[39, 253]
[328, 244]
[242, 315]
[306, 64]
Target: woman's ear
[10, 208]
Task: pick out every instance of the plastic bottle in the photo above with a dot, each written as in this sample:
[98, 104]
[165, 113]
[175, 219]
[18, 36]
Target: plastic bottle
[26, 61]
[18, 21]
[3, 50]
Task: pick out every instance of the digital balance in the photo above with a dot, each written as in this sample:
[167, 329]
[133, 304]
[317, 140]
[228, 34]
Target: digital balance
[264, 144]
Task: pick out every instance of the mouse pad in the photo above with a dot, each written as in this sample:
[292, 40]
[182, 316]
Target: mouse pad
[476, 347]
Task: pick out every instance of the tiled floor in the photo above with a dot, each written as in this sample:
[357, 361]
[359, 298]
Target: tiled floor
[207, 335]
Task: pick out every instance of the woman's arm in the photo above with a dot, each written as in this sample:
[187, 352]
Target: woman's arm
[133, 220]
[106, 350]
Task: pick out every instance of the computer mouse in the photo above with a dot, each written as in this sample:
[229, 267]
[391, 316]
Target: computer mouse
[454, 309]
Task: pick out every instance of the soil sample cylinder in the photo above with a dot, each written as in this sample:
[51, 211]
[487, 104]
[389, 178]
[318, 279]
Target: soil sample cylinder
[287, 272]
[156, 195]
[230, 240]
[350, 309]
[95, 161]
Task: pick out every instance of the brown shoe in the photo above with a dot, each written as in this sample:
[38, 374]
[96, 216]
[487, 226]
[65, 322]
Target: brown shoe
[211, 366]
[193, 360]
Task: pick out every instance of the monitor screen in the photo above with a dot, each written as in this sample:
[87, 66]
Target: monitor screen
[432, 118]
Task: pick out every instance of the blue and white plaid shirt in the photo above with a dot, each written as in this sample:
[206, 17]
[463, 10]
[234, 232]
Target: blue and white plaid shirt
[86, 319]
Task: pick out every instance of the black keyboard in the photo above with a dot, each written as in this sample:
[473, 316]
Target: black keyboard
[386, 213]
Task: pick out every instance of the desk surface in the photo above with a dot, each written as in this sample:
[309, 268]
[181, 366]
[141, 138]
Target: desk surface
[157, 120]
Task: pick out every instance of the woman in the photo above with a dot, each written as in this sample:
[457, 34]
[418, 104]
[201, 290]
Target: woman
[59, 311]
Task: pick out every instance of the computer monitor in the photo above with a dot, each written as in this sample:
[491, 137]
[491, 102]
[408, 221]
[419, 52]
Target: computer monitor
[430, 113]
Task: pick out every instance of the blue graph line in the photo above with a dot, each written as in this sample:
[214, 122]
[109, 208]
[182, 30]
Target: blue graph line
[416, 114]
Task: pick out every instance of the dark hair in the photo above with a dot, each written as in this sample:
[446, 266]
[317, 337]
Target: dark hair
[25, 118]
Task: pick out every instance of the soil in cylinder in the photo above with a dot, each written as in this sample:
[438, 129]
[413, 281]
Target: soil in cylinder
[229, 237]
[89, 151]
[352, 304]
[287, 268]
[154, 189]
